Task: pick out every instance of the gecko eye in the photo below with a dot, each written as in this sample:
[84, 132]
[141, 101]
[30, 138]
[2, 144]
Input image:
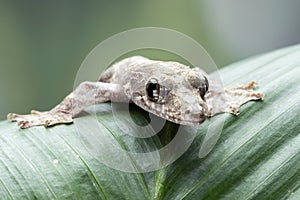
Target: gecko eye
[203, 87]
[156, 92]
[199, 83]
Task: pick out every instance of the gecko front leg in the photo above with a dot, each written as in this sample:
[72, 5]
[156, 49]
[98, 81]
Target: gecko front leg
[86, 94]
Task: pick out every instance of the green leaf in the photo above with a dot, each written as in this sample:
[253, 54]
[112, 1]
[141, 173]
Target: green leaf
[257, 156]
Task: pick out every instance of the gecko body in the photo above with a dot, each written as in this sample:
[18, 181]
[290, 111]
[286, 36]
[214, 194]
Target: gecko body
[170, 90]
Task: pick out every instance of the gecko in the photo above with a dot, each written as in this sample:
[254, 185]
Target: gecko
[171, 90]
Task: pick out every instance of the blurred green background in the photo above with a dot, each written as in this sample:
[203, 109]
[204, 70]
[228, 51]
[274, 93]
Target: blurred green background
[42, 43]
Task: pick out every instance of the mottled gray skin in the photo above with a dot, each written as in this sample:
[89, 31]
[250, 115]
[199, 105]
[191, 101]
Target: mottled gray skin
[126, 81]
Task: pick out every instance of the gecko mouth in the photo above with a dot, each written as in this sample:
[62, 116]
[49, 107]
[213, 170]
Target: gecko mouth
[171, 114]
[193, 121]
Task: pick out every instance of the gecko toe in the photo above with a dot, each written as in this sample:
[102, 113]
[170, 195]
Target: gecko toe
[24, 124]
[251, 85]
[48, 122]
[259, 96]
[12, 116]
[35, 112]
[233, 109]
[52, 122]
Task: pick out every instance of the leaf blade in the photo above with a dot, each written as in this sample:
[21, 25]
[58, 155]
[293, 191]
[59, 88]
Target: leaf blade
[256, 157]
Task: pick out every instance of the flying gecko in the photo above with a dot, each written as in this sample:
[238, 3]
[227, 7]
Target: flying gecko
[171, 90]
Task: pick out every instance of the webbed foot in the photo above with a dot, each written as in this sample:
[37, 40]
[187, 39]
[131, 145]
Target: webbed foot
[239, 95]
[232, 98]
[36, 118]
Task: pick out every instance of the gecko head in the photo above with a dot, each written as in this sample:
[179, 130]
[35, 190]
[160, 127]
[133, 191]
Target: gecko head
[178, 96]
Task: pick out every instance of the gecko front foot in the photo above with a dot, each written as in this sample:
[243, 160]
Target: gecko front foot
[37, 118]
[238, 95]
[232, 98]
